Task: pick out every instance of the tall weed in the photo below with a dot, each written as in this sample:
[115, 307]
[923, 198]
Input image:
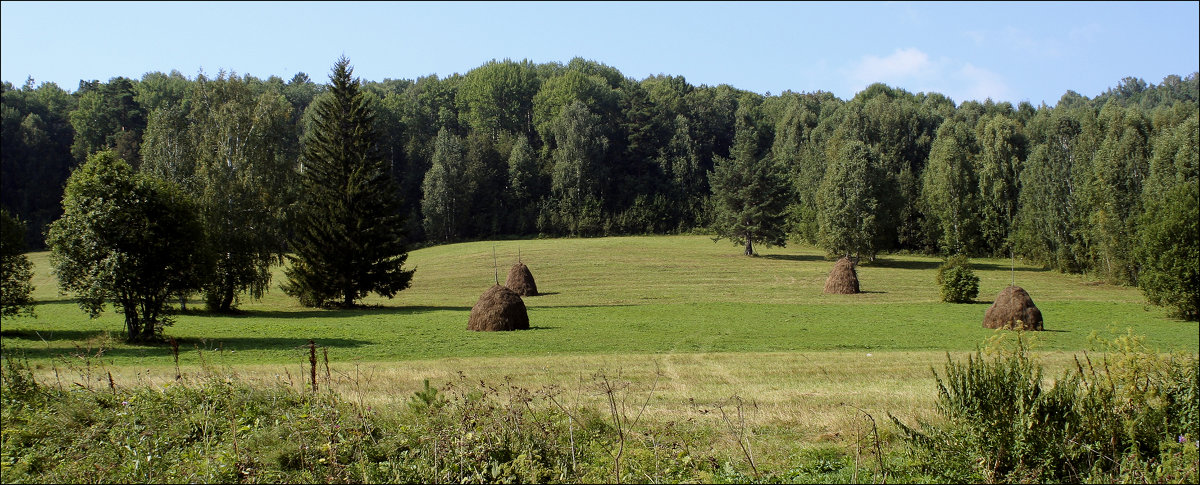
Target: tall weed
[1131, 414]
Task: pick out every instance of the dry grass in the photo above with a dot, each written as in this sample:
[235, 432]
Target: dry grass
[794, 399]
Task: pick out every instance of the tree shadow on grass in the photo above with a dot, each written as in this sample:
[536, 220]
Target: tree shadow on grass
[586, 306]
[330, 313]
[66, 344]
[909, 264]
[34, 335]
[57, 299]
[262, 343]
[793, 257]
[901, 264]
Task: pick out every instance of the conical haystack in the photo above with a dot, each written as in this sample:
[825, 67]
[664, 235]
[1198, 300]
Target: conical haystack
[520, 280]
[499, 308]
[1013, 309]
[843, 280]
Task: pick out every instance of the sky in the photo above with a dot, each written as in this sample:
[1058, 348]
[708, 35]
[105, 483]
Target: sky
[1006, 51]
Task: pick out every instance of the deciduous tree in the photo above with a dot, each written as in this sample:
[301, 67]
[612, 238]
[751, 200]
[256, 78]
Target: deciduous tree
[129, 239]
[16, 271]
[849, 200]
[950, 187]
[445, 203]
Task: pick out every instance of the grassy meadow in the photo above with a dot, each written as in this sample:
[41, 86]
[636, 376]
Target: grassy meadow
[686, 322]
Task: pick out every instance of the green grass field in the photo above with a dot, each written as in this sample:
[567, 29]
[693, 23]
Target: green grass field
[629, 295]
[684, 319]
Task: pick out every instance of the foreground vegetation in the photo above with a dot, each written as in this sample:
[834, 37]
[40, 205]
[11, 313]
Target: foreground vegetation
[1129, 416]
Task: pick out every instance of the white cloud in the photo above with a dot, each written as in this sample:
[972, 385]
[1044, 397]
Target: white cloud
[979, 84]
[1030, 45]
[913, 70]
[904, 64]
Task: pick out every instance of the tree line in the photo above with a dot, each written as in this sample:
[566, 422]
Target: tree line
[1104, 185]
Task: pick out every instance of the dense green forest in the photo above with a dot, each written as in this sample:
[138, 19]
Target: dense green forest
[1105, 186]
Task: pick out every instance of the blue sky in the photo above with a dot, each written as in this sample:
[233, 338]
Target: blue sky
[1009, 51]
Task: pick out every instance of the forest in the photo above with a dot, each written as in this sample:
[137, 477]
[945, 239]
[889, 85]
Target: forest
[1104, 186]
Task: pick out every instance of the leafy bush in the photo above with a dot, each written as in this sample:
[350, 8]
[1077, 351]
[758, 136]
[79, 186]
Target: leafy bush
[1169, 252]
[957, 281]
[1130, 417]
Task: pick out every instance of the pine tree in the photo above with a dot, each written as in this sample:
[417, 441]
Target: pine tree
[750, 194]
[349, 241]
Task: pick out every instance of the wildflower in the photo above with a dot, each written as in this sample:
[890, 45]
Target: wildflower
[1182, 439]
[124, 403]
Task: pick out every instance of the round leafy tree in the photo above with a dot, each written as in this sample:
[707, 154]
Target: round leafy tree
[128, 239]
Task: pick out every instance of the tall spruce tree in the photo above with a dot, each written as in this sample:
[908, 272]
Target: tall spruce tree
[349, 241]
[750, 194]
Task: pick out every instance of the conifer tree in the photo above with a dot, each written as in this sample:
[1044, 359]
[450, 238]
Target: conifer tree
[349, 241]
[750, 195]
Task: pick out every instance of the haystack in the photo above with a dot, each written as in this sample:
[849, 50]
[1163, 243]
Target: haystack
[520, 280]
[499, 308]
[843, 280]
[1013, 309]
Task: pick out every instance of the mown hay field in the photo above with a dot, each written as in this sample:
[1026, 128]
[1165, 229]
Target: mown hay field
[689, 323]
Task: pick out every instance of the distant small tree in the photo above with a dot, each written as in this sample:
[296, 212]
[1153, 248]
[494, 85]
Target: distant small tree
[958, 282]
[525, 185]
[950, 188]
[16, 291]
[129, 239]
[446, 195]
[1003, 149]
[579, 173]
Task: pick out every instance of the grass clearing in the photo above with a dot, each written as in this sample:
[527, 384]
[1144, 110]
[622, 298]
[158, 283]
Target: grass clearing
[623, 295]
[688, 323]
